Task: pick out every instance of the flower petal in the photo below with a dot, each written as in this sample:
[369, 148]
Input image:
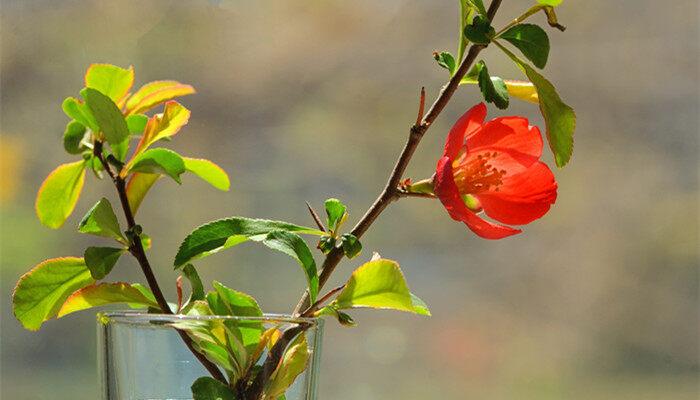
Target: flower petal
[512, 135]
[466, 126]
[522, 198]
[447, 192]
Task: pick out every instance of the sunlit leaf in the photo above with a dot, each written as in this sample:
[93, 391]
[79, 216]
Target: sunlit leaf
[225, 301]
[101, 260]
[105, 293]
[40, 293]
[73, 136]
[154, 93]
[80, 112]
[552, 3]
[136, 123]
[110, 80]
[159, 161]
[59, 193]
[107, 114]
[217, 235]
[446, 60]
[164, 125]
[293, 363]
[209, 172]
[137, 187]
[102, 221]
[378, 284]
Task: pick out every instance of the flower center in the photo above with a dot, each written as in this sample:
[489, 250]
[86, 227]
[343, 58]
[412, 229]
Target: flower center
[475, 174]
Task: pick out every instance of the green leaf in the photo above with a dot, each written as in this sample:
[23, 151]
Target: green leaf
[326, 244]
[102, 221]
[40, 292]
[292, 365]
[105, 293]
[73, 136]
[446, 60]
[154, 93]
[110, 80]
[294, 246]
[80, 112]
[139, 184]
[108, 117]
[59, 193]
[101, 260]
[479, 5]
[494, 89]
[208, 388]
[480, 31]
[224, 233]
[209, 172]
[197, 288]
[378, 284]
[351, 245]
[559, 118]
[531, 40]
[159, 161]
[225, 301]
[136, 123]
[552, 3]
[336, 214]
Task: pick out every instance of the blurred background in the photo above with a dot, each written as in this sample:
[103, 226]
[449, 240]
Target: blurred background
[305, 100]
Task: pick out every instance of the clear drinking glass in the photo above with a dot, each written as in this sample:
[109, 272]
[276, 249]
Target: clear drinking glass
[142, 357]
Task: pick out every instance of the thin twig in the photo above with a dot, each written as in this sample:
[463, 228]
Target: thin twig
[315, 216]
[136, 249]
[390, 191]
[312, 308]
[421, 106]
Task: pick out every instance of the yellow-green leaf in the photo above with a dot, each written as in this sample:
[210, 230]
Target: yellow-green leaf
[292, 365]
[559, 117]
[154, 93]
[523, 90]
[102, 221]
[139, 184]
[379, 284]
[105, 293]
[159, 161]
[164, 125]
[209, 172]
[59, 193]
[40, 293]
[552, 3]
[114, 82]
[80, 112]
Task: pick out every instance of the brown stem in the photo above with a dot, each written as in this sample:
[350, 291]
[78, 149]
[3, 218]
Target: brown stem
[312, 308]
[391, 192]
[136, 249]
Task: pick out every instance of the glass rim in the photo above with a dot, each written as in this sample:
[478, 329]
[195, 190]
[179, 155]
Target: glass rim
[144, 318]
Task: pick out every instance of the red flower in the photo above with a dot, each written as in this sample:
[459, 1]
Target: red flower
[494, 167]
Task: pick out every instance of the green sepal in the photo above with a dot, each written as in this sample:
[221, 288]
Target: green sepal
[326, 244]
[480, 30]
[101, 260]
